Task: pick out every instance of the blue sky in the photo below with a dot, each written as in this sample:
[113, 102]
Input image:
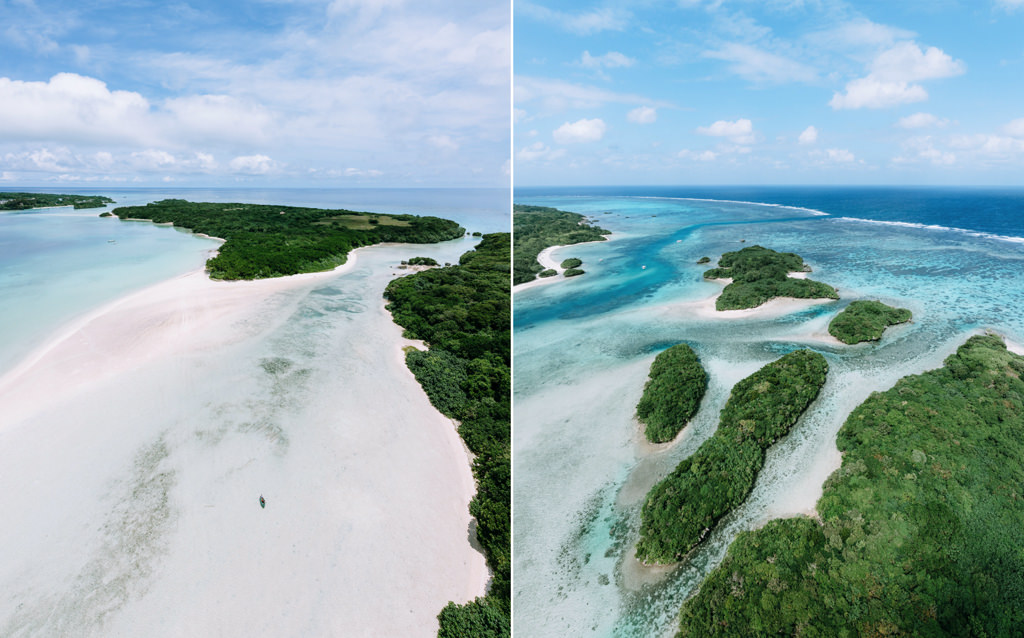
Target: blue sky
[769, 92]
[323, 93]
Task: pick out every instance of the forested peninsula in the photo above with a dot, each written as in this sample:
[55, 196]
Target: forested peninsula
[25, 201]
[672, 394]
[866, 321]
[264, 241]
[535, 228]
[463, 313]
[760, 274]
[707, 485]
[920, 530]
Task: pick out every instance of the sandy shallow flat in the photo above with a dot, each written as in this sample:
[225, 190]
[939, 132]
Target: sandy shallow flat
[134, 447]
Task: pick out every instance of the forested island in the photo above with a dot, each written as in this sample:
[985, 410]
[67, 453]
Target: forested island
[919, 531]
[866, 321]
[760, 274]
[463, 313]
[538, 227]
[25, 201]
[672, 394]
[275, 241]
[707, 485]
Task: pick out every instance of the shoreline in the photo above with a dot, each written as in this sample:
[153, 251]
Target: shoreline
[545, 259]
[374, 461]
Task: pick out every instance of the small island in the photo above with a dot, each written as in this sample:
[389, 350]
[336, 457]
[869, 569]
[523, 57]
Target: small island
[421, 261]
[682, 508]
[264, 241]
[538, 227]
[919, 532]
[25, 201]
[760, 274]
[866, 321]
[672, 394]
[704, 260]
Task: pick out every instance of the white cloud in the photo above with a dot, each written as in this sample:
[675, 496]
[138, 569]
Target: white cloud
[809, 136]
[757, 65]
[580, 131]
[739, 132]
[610, 60]
[834, 156]
[892, 74]
[698, 156]
[642, 115]
[906, 62]
[1010, 5]
[252, 164]
[922, 120]
[539, 150]
[556, 95]
[443, 142]
[873, 93]
[859, 33]
[1016, 127]
[583, 23]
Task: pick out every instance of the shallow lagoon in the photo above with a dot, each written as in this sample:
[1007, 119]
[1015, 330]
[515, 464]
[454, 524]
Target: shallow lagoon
[583, 348]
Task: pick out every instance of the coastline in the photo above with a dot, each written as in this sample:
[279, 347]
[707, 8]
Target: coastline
[545, 259]
[373, 462]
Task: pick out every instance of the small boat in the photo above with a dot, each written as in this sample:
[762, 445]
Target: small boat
[263, 502]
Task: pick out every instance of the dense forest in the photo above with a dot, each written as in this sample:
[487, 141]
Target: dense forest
[706, 486]
[759, 274]
[865, 321]
[918, 533]
[535, 228]
[25, 201]
[275, 241]
[463, 313]
[672, 394]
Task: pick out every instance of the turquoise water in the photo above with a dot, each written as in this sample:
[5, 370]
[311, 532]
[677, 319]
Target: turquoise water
[583, 348]
[57, 264]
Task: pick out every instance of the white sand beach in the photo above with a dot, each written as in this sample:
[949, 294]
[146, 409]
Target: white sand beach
[135, 445]
[547, 259]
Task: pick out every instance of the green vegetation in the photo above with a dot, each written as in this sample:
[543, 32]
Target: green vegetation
[704, 260]
[422, 261]
[25, 201]
[759, 274]
[463, 312]
[538, 227]
[573, 272]
[550, 272]
[684, 506]
[274, 241]
[107, 214]
[672, 394]
[920, 530]
[571, 262]
[865, 321]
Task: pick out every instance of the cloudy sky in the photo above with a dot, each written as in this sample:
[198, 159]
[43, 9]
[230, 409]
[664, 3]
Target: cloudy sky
[769, 92]
[326, 93]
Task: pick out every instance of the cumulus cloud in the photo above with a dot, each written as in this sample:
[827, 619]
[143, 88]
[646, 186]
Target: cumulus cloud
[443, 142]
[922, 120]
[252, 165]
[892, 76]
[809, 136]
[1016, 127]
[739, 132]
[580, 131]
[642, 115]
